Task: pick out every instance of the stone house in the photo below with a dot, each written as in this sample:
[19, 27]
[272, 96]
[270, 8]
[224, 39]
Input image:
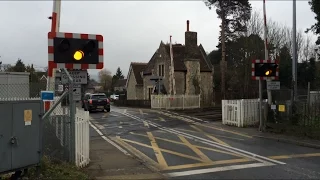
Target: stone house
[193, 72]
[134, 84]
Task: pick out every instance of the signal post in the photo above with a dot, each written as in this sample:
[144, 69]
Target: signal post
[263, 70]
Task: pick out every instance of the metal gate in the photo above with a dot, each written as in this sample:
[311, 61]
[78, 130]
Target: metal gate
[20, 133]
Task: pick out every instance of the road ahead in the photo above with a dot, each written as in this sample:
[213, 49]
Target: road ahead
[183, 147]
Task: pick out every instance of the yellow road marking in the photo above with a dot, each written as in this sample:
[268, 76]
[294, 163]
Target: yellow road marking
[187, 130]
[157, 151]
[165, 150]
[209, 136]
[195, 149]
[217, 140]
[231, 161]
[200, 147]
[145, 124]
[295, 156]
[220, 129]
[153, 165]
[105, 115]
[161, 119]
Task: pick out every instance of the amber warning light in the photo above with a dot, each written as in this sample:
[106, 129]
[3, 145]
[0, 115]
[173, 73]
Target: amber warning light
[78, 55]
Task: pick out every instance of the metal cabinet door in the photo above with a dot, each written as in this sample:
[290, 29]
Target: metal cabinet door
[5, 136]
[26, 130]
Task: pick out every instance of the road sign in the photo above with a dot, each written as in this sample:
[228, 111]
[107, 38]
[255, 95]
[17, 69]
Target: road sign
[79, 77]
[77, 92]
[75, 51]
[273, 85]
[265, 69]
[60, 87]
[47, 95]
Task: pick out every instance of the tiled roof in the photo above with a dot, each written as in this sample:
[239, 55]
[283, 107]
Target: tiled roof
[137, 68]
[150, 65]
[178, 56]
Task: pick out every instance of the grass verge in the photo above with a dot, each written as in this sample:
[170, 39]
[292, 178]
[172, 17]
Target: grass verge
[53, 169]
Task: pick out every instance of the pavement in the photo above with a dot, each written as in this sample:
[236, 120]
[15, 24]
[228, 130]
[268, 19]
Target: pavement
[133, 143]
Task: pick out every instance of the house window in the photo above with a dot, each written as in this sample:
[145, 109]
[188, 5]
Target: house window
[149, 93]
[161, 70]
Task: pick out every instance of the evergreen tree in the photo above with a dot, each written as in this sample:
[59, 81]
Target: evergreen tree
[315, 7]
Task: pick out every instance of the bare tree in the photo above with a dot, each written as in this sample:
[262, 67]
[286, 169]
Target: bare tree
[308, 49]
[279, 35]
[255, 24]
[105, 79]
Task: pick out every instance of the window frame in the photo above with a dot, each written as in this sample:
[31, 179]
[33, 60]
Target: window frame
[161, 70]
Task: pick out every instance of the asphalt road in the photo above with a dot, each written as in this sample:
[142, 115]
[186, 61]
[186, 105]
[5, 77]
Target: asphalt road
[182, 147]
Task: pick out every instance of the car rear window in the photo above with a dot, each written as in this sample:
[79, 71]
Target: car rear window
[97, 96]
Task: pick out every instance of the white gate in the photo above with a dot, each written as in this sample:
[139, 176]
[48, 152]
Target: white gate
[82, 138]
[175, 101]
[241, 112]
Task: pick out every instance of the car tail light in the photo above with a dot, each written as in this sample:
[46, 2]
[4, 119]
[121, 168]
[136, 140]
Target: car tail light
[90, 101]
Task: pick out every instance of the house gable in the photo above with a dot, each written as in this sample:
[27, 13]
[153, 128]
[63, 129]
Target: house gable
[179, 55]
[131, 84]
[152, 61]
[135, 69]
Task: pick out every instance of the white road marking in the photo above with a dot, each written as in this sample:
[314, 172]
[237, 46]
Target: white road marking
[161, 119]
[100, 126]
[217, 169]
[108, 140]
[210, 142]
[117, 126]
[120, 127]
[146, 124]
[142, 113]
[96, 123]
[177, 117]
[186, 116]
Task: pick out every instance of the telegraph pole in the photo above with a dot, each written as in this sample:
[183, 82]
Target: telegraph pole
[294, 51]
[266, 57]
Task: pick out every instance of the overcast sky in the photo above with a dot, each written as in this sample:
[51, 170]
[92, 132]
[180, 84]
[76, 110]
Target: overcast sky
[132, 30]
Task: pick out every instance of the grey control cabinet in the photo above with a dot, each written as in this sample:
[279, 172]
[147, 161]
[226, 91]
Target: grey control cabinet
[20, 134]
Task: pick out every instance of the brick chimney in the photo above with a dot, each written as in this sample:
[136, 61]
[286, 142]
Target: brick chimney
[191, 42]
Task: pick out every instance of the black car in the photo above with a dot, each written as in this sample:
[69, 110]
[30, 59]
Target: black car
[93, 102]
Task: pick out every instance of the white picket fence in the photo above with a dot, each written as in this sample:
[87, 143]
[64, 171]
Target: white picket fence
[175, 101]
[82, 138]
[241, 112]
